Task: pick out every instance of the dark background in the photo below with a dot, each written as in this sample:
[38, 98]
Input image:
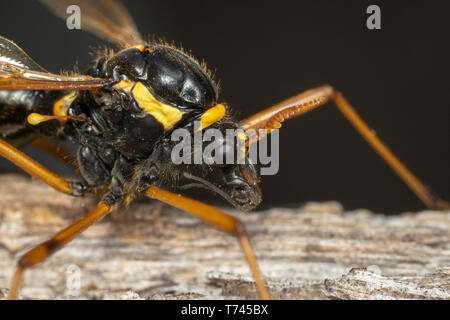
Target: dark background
[262, 52]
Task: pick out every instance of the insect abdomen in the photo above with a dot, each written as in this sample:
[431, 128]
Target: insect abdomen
[15, 106]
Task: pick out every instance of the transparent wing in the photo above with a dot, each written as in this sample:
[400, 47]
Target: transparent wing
[107, 19]
[19, 72]
[12, 54]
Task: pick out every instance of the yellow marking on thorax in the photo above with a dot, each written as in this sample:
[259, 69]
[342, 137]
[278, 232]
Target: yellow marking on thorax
[143, 48]
[167, 115]
[124, 85]
[211, 116]
[61, 106]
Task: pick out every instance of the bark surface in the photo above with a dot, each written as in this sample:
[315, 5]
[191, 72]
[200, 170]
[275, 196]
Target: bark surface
[151, 251]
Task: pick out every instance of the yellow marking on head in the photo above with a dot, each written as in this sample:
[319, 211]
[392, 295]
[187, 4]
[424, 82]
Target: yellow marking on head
[167, 115]
[211, 116]
[60, 106]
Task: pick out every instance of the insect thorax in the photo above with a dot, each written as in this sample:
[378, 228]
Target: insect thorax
[156, 89]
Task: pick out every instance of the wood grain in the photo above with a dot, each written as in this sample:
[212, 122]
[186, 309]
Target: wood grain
[149, 251]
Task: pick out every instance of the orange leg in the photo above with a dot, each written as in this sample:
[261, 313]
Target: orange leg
[36, 170]
[56, 151]
[272, 118]
[46, 249]
[219, 220]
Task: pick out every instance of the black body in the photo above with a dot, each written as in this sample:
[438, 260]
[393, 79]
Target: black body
[15, 106]
[122, 148]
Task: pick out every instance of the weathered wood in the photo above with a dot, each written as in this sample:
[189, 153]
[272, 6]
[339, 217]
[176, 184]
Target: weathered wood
[315, 252]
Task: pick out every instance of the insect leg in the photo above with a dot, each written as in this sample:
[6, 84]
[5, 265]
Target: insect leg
[421, 191]
[219, 220]
[56, 151]
[46, 249]
[35, 169]
[272, 118]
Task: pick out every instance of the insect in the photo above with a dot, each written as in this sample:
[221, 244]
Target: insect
[121, 113]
